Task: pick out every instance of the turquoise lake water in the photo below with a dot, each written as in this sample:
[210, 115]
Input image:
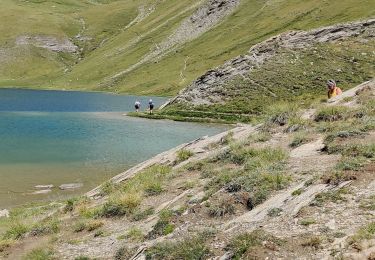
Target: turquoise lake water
[60, 137]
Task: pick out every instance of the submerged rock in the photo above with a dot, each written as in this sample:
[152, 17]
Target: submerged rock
[70, 186]
[4, 213]
[45, 191]
[44, 187]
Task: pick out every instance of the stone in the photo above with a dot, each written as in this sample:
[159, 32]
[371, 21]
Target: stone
[44, 187]
[45, 191]
[70, 186]
[4, 213]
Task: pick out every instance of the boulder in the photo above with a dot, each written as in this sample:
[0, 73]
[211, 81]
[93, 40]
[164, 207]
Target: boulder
[70, 186]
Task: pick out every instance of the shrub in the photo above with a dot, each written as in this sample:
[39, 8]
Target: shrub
[244, 243]
[48, 226]
[135, 234]
[280, 114]
[125, 204]
[164, 226]
[124, 253]
[330, 196]
[5, 243]
[299, 139]
[140, 215]
[40, 254]
[364, 233]
[369, 203]
[333, 113]
[274, 212]
[224, 207]
[183, 155]
[337, 177]
[313, 241]
[189, 248]
[307, 222]
[16, 231]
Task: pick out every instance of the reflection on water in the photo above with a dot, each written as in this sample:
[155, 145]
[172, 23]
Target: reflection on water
[44, 147]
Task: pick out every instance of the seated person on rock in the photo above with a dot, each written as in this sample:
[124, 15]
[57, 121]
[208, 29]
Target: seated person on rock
[333, 90]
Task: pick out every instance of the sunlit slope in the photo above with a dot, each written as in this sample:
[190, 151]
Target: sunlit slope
[118, 42]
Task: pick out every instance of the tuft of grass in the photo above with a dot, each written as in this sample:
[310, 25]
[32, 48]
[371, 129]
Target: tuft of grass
[193, 247]
[135, 234]
[164, 226]
[46, 227]
[337, 177]
[243, 243]
[224, 207]
[307, 222]
[183, 155]
[124, 253]
[368, 203]
[330, 114]
[274, 212]
[336, 196]
[313, 241]
[40, 254]
[89, 226]
[261, 137]
[125, 204]
[141, 215]
[16, 231]
[300, 138]
[365, 233]
[297, 192]
[5, 244]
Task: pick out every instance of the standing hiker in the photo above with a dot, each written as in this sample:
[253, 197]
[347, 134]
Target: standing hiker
[333, 90]
[150, 106]
[137, 105]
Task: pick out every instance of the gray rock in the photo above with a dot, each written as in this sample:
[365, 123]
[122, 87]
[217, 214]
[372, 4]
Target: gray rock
[45, 191]
[4, 213]
[207, 89]
[44, 187]
[70, 186]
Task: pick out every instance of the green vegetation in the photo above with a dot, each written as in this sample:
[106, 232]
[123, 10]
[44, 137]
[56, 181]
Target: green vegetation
[307, 221]
[244, 243]
[312, 241]
[183, 155]
[193, 247]
[224, 207]
[164, 226]
[335, 196]
[364, 233]
[300, 138]
[109, 47]
[40, 254]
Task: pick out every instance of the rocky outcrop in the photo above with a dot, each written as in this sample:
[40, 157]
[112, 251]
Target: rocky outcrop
[48, 42]
[202, 20]
[207, 88]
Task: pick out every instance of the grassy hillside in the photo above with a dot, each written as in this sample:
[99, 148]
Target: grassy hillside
[113, 36]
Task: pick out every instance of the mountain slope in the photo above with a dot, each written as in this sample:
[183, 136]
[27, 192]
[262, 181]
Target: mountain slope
[145, 47]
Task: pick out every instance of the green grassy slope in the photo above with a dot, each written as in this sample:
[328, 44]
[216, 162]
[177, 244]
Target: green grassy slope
[111, 47]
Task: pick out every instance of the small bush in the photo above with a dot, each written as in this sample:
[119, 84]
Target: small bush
[16, 231]
[48, 226]
[299, 139]
[337, 177]
[313, 241]
[364, 233]
[164, 226]
[297, 192]
[189, 248]
[124, 253]
[183, 155]
[223, 208]
[280, 114]
[243, 243]
[153, 189]
[40, 254]
[261, 137]
[135, 234]
[330, 196]
[5, 244]
[121, 206]
[108, 187]
[307, 222]
[330, 114]
[274, 212]
[141, 215]
[369, 203]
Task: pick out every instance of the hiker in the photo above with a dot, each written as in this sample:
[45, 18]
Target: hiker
[137, 105]
[333, 90]
[151, 106]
